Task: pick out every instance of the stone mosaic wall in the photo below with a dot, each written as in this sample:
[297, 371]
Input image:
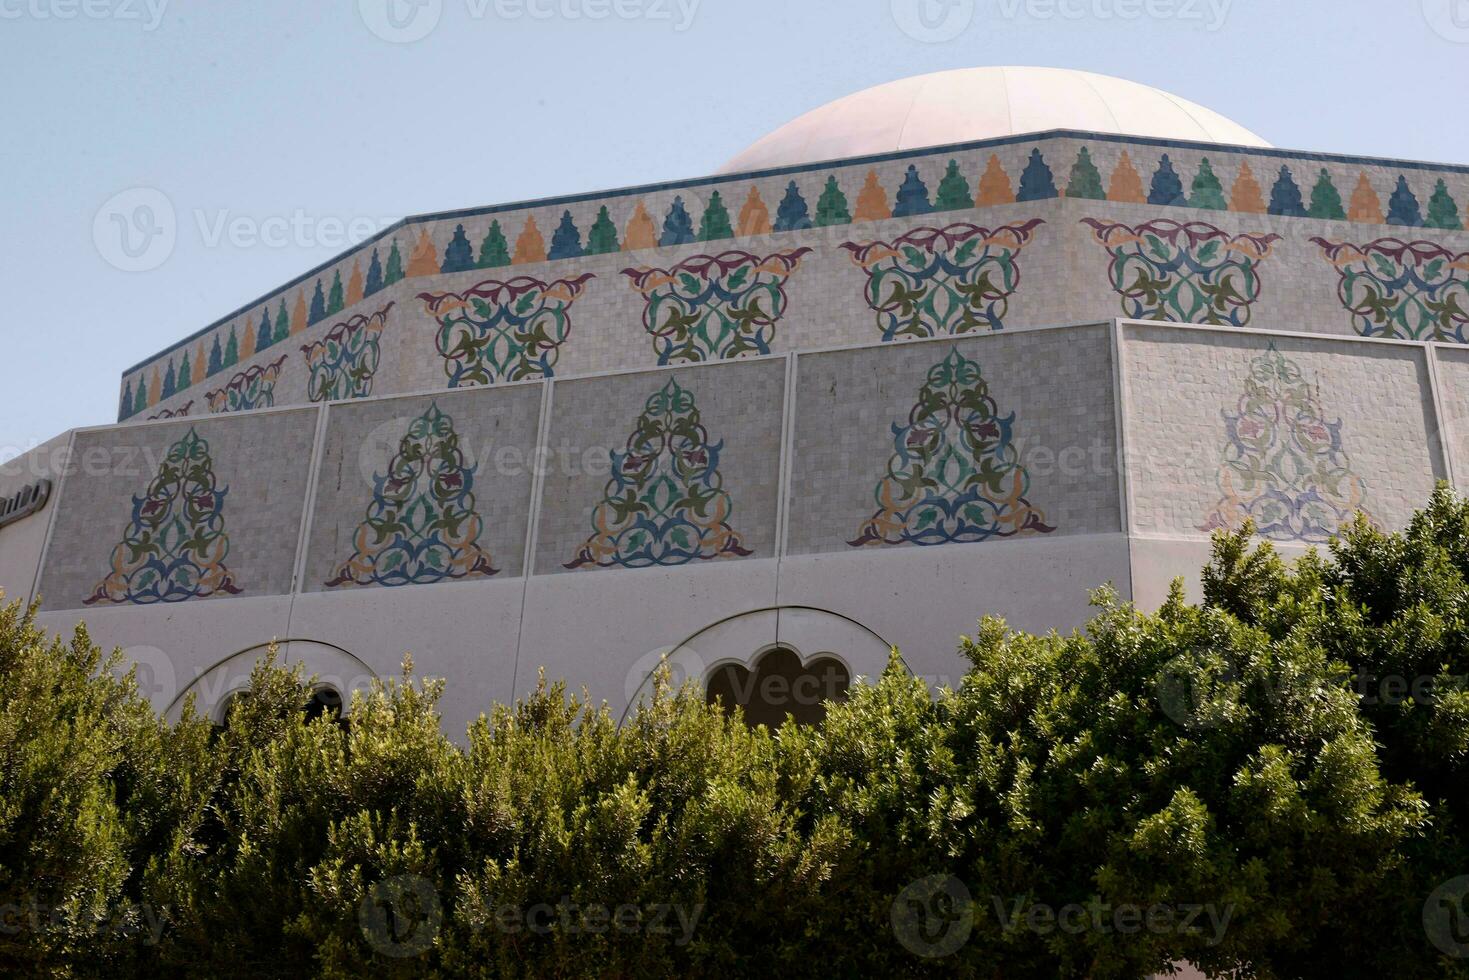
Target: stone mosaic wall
[1296, 434]
[1452, 366]
[180, 511]
[663, 468]
[1019, 232]
[414, 491]
[955, 441]
[947, 441]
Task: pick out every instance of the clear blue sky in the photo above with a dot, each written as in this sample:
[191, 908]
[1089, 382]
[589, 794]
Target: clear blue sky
[277, 109]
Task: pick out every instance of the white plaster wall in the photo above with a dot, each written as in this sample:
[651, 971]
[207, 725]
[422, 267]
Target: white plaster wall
[604, 630]
[176, 643]
[923, 599]
[1156, 562]
[467, 632]
[22, 542]
[1451, 368]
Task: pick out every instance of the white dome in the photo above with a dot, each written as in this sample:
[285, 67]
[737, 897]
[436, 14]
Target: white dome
[969, 104]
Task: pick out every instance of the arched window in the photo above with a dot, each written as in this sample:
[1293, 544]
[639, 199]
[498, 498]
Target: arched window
[226, 704]
[340, 671]
[324, 701]
[779, 684]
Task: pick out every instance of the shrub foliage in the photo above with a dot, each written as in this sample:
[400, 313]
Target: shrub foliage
[1270, 783]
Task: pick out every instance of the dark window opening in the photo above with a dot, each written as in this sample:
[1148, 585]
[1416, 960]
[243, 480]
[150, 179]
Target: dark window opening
[225, 707]
[780, 685]
[324, 701]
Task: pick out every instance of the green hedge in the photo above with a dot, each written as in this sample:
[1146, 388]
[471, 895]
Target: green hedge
[1272, 782]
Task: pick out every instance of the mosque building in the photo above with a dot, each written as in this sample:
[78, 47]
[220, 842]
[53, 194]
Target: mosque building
[973, 342]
